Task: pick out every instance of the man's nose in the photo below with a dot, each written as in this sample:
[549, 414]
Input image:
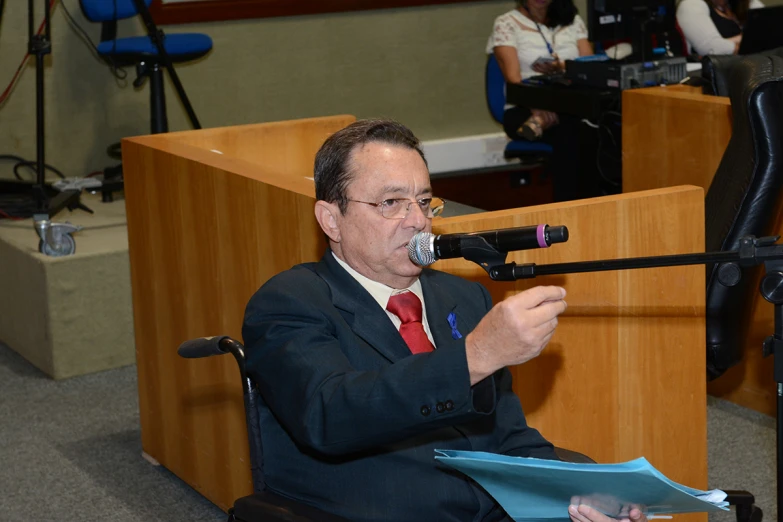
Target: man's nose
[416, 216]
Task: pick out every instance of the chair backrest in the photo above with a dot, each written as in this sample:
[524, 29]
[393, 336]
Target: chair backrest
[743, 199]
[715, 71]
[109, 10]
[495, 87]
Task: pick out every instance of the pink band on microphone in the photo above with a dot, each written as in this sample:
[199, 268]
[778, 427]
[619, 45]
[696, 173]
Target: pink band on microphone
[541, 236]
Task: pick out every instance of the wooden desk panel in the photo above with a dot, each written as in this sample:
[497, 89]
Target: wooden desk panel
[608, 373]
[674, 135]
[205, 230]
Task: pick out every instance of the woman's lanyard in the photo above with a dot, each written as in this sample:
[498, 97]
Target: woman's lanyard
[548, 45]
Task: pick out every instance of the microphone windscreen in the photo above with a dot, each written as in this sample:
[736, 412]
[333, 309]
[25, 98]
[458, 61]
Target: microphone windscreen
[420, 249]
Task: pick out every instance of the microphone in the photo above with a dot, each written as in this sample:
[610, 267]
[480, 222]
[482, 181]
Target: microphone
[425, 248]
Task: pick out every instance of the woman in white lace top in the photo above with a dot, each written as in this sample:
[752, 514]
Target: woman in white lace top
[536, 38]
[550, 30]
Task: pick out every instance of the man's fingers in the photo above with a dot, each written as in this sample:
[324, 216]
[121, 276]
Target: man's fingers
[533, 297]
[576, 515]
[584, 513]
[544, 313]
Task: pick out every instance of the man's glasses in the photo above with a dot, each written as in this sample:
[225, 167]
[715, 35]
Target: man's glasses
[399, 208]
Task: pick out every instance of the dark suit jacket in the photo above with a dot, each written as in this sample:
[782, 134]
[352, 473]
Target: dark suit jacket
[352, 419]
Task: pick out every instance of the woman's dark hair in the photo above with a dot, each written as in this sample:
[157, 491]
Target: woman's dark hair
[740, 8]
[560, 12]
[333, 171]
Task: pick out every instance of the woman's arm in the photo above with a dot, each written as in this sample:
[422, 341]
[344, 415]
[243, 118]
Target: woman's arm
[509, 63]
[585, 47]
[698, 28]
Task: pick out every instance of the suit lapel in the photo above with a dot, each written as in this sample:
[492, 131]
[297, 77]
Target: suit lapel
[362, 313]
[440, 305]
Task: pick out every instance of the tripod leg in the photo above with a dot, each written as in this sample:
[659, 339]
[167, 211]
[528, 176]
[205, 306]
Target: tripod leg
[157, 37]
[157, 100]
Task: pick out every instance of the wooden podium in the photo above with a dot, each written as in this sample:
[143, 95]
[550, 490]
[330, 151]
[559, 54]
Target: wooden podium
[213, 214]
[676, 135]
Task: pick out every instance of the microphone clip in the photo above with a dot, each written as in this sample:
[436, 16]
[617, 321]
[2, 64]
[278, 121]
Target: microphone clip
[476, 249]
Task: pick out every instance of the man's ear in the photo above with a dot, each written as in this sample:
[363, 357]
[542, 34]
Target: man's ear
[328, 215]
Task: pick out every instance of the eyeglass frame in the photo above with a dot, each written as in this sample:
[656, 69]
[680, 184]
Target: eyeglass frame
[435, 211]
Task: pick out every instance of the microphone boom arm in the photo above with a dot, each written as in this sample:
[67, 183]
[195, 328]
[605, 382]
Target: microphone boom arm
[753, 251]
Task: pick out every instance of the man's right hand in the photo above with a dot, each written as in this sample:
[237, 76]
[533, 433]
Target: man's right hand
[516, 330]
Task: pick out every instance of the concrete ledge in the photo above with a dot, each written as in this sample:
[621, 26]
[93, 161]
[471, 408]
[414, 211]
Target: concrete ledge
[69, 315]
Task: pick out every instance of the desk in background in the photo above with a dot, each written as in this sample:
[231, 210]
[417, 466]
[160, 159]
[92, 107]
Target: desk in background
[674, 136]
[584, 102]
[598, 158]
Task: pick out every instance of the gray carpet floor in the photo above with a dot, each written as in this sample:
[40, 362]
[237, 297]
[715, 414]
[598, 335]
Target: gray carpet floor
[71, 451]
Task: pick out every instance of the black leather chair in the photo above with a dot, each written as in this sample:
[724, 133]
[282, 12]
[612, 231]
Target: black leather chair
[715, 71]
[744, 197]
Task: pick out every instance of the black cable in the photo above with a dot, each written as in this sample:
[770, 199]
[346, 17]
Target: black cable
[117, 71]
[600, 152]
[21, 162]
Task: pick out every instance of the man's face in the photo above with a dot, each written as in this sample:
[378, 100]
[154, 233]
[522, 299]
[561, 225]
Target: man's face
[371, 244]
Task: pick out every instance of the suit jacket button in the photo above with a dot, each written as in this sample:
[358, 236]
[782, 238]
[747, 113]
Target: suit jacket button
[425, 410]
[440, 407]
[449, 405]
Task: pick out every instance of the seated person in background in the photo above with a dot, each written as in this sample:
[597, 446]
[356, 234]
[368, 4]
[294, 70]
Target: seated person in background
[714, 26]
[536, 38]
[367, 363]
[536, 30]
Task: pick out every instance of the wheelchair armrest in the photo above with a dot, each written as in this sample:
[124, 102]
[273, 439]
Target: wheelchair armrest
[202, 347]
[745, 506]
[573, 456]
[269, 507]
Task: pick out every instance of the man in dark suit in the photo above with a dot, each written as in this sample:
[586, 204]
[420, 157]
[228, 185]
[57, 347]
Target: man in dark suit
[367, 363]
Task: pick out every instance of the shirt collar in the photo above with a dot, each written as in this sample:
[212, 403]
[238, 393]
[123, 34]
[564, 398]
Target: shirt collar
[379, 291]
[523, 19]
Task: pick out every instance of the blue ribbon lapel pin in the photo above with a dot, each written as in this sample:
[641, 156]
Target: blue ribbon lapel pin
[452, 319]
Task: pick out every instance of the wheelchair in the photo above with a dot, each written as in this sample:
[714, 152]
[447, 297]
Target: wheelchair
[266, 506]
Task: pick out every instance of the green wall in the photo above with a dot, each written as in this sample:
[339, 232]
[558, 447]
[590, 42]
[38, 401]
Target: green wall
[423, 66]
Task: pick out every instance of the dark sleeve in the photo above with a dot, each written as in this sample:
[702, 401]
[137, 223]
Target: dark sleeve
[303, 373]
[515, 437]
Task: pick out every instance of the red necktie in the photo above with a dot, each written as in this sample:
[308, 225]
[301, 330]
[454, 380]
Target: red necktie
[407, 307]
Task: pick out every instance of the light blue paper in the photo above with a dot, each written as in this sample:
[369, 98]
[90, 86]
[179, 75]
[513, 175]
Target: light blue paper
[541, 490]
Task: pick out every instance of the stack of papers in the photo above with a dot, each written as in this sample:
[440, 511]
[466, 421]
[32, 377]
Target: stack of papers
[536, 489]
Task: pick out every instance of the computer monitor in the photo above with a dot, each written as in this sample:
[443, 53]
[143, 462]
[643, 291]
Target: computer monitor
[645, 23]
[762, 30]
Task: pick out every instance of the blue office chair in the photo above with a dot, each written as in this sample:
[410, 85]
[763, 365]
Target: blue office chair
[142, 52]
[526, 151]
